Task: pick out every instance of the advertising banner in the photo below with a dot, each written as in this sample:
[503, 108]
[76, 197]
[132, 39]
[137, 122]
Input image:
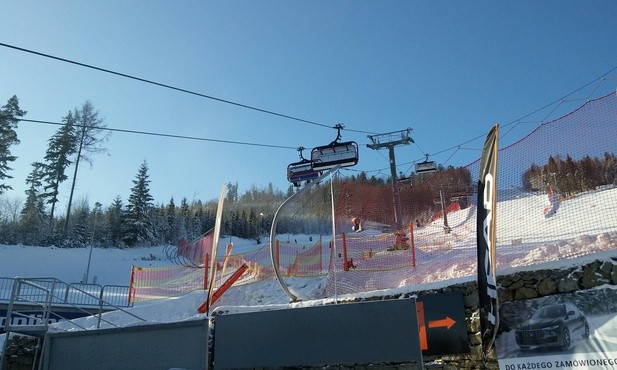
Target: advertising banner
[569, 331]
[487, 201]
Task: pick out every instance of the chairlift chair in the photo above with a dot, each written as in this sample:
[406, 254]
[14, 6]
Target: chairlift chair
[335, 154]
[426, 167]
[330, 156]
[300, 171]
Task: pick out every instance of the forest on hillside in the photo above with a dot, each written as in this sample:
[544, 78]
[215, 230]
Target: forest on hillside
[137, 221]
[568, 176]
[142, 221]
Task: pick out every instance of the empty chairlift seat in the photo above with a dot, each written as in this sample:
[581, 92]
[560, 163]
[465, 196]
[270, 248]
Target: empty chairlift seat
[298, 172]
[335, 154]
[426, 167]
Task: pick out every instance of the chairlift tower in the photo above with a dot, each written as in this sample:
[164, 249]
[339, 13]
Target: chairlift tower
[390, 140]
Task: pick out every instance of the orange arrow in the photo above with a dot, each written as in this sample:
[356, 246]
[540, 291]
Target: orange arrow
[447, 323]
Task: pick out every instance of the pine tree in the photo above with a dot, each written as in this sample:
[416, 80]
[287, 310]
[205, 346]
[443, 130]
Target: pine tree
[60, 148]
[570, 177]
[33, 213]
[96, 223]
[232, 193]
[186, 231]
[114, 222]
[79, 234]
[137, 224]
[9, 117]
[158, 223]
[590, 173]
[610, 168]
[532, 179]
[171, 225]
[198, 218]
[554, 175]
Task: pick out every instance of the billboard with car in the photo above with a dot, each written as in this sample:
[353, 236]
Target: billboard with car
[567, 331]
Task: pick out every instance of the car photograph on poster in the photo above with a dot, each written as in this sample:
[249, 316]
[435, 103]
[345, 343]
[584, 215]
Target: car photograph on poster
[552, 326]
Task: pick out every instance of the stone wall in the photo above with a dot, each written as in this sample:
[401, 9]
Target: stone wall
[518, 286]
[21, 352]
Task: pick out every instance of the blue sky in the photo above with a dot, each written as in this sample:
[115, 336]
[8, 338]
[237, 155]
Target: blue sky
[449, 70]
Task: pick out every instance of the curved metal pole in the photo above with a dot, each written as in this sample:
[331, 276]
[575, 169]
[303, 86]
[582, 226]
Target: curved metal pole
[292, 296]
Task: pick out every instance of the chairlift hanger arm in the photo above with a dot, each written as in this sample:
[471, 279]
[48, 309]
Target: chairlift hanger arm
[338, 128]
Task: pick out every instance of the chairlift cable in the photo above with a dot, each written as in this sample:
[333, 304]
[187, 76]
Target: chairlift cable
[167, 86]
[138, 132]
[162, 85]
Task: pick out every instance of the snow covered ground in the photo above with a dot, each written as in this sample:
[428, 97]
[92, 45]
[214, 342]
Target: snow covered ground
[524, 237]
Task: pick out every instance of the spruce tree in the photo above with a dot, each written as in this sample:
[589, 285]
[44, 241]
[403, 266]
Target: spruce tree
[137, 224]
[186, 230]
[33, 213]
[79, 233]
[113, 222]
[232, 193]
[9, 117]
[569, 175]
[60, 148]
[590, 173]
[171, 218]
[610, 168]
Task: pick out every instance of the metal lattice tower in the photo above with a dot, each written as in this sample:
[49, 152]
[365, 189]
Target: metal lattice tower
[390, 140]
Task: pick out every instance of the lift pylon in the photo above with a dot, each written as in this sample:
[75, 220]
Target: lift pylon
[390, 140]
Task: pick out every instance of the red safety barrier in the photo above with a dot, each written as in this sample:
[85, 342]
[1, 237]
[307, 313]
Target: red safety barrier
[226, 285]
[413, 246]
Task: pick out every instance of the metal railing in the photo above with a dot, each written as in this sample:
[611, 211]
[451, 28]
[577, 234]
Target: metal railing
[34, 304]
[87, 295]
[45, 294]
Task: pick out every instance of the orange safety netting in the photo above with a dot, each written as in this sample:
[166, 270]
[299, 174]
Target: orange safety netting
[149, 283]
[556, 199]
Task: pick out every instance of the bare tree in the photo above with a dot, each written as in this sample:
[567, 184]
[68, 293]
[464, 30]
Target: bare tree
[91, 133]
[9, 208]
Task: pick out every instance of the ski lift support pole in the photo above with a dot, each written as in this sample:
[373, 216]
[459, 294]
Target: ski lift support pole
[390, 140]
[293, 297]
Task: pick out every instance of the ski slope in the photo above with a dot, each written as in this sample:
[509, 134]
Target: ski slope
[526, 240]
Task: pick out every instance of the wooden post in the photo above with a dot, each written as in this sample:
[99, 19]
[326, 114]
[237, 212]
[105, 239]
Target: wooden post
[345, 262]
[131, 288]
[226, 285]
[320, 255]
[206, 264]
[413, 246]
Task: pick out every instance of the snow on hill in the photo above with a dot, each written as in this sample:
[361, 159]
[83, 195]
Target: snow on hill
[524, 237]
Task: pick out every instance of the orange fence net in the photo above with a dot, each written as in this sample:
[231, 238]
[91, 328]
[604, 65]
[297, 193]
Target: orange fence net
[557, 199]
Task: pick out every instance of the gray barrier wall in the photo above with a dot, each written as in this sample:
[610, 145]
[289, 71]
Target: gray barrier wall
[148, 347]
[343, 334]
[515, 287]
[350, 333]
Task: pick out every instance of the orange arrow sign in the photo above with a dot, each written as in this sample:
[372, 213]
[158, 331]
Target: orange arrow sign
[443, 323]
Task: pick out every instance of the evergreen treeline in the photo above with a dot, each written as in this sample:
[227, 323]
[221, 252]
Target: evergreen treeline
[570, 177]
[34, 220]
[136, 222]
[140, 222]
